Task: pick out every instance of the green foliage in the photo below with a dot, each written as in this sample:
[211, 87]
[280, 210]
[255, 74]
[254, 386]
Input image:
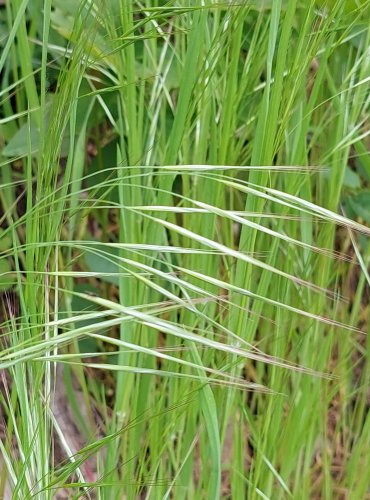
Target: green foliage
[184, 249]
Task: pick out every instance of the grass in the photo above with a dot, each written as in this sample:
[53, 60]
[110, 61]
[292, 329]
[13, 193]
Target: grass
[184, 249]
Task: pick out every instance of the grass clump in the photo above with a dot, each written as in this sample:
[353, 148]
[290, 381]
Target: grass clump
[184, 249]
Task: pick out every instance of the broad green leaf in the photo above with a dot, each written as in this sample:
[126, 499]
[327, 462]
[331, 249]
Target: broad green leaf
[360, 204]
[6, 276]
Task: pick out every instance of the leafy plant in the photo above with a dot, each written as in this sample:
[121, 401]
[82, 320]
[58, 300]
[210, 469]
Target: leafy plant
[184, 195]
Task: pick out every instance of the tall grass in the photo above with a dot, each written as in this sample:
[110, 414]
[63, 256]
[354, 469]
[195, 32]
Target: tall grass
[184, 250]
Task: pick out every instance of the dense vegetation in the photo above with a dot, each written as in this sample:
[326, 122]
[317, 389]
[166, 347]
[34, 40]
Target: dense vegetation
[184, 249]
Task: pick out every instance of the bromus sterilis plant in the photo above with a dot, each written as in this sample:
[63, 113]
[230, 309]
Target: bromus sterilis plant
[184, 249]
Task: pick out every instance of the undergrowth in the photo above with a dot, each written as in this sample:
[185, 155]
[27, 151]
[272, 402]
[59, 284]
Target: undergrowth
[184, 249]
